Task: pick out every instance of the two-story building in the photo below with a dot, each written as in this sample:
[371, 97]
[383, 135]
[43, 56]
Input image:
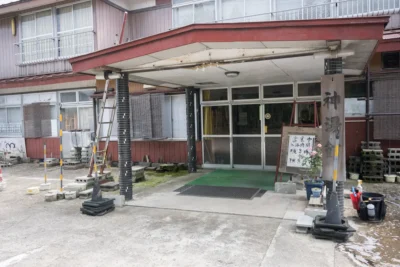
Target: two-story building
[248, 58]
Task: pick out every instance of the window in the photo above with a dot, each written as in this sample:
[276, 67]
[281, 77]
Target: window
[309, 89]
[36, 33]
[70, 35]
[186, 12]
[159, 116]
[245, 93]
[74, 29]
[10, 121]
[215, 95]
[216, 120]
[356, 89]
[10, 115]
[391, 60]
[306, 113]
[77, 110]
[276, 91]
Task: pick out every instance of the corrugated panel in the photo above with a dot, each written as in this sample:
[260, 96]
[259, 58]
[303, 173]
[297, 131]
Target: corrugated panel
[34, 147]
[150, 22]
[109, 24]
[7, 40]
[387, 101]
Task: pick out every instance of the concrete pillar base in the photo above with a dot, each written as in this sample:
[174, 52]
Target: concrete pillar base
[45, 187]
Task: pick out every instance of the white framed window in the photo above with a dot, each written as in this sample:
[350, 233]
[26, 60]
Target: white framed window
[74, 29]
[56, 33]
[77, 110]
[189, 12]
[10, 116]
[36, 32]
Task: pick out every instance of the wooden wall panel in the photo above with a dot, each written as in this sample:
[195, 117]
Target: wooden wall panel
[108, 25]
[150, 22]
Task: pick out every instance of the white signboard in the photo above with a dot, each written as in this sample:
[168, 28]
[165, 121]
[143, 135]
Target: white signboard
[299, 148]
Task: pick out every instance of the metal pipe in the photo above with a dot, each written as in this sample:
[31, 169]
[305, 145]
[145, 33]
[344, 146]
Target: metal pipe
[94, 114]
[367, 106]
[61, 154]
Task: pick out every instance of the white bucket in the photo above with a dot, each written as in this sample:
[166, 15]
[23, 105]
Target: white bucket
[371, 210]
[390, 178]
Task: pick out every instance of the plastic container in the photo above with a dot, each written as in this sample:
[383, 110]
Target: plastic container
[371, 210]
[355, 200]
[390, 178]
[309, 184]
[359, 186]
[354, 176]
[378, 200]
[316, 192]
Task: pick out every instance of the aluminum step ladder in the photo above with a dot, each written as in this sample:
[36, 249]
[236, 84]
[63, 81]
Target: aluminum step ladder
[101, 155]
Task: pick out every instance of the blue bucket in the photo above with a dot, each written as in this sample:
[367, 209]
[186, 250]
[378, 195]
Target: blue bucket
[309, 184]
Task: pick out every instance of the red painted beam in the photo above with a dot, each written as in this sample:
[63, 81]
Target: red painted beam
[389, 45]
[301, 30]
[43, 80]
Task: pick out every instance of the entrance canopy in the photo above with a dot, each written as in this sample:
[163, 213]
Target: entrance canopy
[214, 55]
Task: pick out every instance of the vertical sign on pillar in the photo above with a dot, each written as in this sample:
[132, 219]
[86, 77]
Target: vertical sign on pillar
[333, 127]
[191, 129]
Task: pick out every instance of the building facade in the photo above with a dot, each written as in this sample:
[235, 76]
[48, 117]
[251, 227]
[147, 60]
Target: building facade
[38, 41]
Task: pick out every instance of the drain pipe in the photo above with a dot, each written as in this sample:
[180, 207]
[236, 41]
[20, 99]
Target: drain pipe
[191, 129]
[124, 136]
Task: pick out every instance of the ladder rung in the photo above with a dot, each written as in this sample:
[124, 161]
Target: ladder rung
[109, 107]
[105, 122]
[102, 137]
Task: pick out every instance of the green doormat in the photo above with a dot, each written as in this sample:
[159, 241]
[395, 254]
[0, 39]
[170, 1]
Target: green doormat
[239, 178]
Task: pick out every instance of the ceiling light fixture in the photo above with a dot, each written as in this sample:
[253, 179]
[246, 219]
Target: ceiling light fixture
[232, 74]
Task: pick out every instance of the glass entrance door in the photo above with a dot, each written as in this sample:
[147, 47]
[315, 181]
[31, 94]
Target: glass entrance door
[275, 115]
[246, 136]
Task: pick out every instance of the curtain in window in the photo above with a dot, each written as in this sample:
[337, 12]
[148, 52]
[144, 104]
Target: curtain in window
[82, 23]
[3, 115]
[232, 9]
[28, 31]
[86, 118]
[204, 12]
[44, 30]
[183, 16]
[255, 7]
[65, 28]
[14, 115]
[179, 116]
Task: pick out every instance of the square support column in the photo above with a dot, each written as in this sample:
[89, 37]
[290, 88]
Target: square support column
[191, 129]
[124, 137]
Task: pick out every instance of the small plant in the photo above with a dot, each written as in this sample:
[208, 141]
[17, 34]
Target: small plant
[314, 162]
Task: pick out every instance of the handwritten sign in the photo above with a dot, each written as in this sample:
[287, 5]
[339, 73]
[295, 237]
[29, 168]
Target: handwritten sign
[13, 146]
[299, 149]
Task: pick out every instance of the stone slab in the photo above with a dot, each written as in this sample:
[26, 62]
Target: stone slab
[33, 190]
[50, 196]
[315, 201]
[86, 193]
[285, 187]
[312, 212]
[119, 200]
[305, 221]
[75, 187]
[84, 179]
[293, 215]
[302, 230]
[70, 195]
[45, 187]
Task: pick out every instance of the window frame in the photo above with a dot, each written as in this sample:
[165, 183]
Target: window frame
[310, 97]
[192, 3]
[277, 99]
[54, 34]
